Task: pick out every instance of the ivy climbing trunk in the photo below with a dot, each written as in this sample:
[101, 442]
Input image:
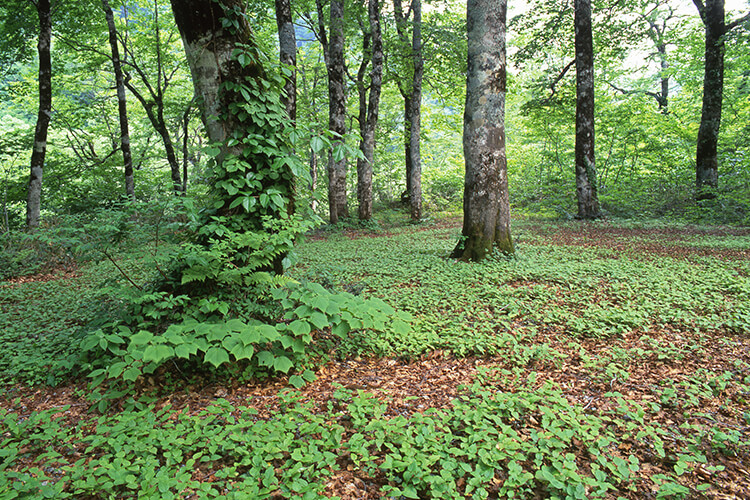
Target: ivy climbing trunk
[369, 118]
[122, 105]
[209, 47]
[486, 223]
[244, 118]
[588, 202]
[288, 55]
[39, 151]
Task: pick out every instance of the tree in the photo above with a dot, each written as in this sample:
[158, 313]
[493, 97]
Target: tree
[368, 109]
[287, 55]
[333, 51]
[255, 167]
[486, 223]
[588, 202]
[152, 92]
[33, 203]
[412, 94]
[122, 105]
[706, 158]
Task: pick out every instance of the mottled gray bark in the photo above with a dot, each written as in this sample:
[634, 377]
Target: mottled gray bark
[411, 91]
[122, 106]
[588, 202]
[334, 58]
[486, 223]
[209, 48]
[33, 201]
[369, 119]
[287, 55]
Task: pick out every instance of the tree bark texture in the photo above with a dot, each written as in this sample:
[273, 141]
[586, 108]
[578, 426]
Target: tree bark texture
[415, 115]
[338, 207]
[364, 165]
[706, 157]
[39, 151]
[288, 55]
[588, 202]
[122, 105]
[209, 48]
[486, 223]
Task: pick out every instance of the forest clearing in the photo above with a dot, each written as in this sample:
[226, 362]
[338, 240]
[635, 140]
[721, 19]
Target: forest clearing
[375, 249]
[604, 360]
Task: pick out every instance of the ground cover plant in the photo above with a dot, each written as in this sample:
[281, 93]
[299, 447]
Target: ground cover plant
[607, 359]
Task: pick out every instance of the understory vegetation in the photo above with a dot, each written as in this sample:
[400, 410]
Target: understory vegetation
[606, 359]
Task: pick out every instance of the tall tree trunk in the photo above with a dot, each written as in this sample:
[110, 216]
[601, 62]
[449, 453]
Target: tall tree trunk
[406, 196]
[33, 202]
[486, 204]
[588, 202]
[415, 115]
[706, 158]
[288, 55]
[338, 207]
[364, 166]
[122, 105]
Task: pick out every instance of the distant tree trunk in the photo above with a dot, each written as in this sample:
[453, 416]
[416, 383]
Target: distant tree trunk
[486, 204]
[706, 158]
[33, 202]
[288, 55]
[415, 115]
[406, 196]
[411, 91]
[335, 65]
[122, 105]
[656, 32]
[588, 202]
[369, 119]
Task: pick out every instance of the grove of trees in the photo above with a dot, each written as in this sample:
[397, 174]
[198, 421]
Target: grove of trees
[105, 108]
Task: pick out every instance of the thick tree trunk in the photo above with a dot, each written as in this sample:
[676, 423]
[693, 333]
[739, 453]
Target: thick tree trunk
[706, 160]
[588, 202]
[415, 115]
[209, 48]
[288, 55]
[364, 165]
[486, 204]
[337, 113]
[33, 202]
[122, 105]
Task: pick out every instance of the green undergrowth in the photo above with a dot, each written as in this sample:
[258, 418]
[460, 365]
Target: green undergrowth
[652, 345]
[492, 442]
[586, 292]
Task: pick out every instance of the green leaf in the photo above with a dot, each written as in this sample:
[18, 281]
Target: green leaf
[141, 338]
[242, 352]
[265, 358]
[131, 374]
[216, 356]
[282, 364]
[296, 381]
[185, 350]
[320, 320]
[116, 369]
[157, 353]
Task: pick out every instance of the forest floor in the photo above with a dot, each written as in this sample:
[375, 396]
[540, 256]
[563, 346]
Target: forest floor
[625, 346]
